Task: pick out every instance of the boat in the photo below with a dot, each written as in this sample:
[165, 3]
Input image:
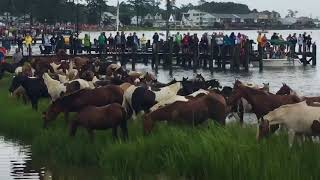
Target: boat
[263, 31]
[278, 63]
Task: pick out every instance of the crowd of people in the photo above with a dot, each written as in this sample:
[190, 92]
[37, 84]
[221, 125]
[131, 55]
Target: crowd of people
[278, 47]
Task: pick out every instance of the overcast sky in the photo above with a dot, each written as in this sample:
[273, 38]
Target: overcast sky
[305, 7]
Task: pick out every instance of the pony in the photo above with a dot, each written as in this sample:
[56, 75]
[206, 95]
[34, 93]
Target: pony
[76, 101]
[100, 118]
[193, 112]
[261, 101]
[286, 90]
[299, 119]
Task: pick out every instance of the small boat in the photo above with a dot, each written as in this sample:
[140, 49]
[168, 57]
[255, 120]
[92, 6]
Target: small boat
[263, 31]
[278, 63]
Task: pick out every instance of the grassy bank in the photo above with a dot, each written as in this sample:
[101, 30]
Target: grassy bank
[176, 152]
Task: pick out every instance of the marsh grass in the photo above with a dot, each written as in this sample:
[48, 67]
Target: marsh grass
[207, 152]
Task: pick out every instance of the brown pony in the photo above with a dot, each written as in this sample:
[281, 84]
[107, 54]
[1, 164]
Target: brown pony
[75, 102]
[193, 112]
[100, 118]
[286, 90]
[262, 102]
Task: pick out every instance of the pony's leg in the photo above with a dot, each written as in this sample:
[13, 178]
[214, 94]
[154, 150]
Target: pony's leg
[115, 133]
[91, 134]
[124, 129]
[299, 139]
[73, 128]
[66, 116]
[241, 111]
[291, 135]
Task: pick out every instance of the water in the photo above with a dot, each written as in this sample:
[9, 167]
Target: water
[16, 162]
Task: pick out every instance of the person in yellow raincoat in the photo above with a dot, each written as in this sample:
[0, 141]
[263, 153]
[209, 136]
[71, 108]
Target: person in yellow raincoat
[28, 43]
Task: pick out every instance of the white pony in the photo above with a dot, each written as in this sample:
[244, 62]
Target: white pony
[176, 98]
[299, 119]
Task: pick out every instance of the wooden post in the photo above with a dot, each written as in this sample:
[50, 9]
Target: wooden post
[304, 57]
[157, 56]
[260, 58]
[247, 55]
[211, 57]
[170, 54]
[314, 54]
[237, 57]
[222, 57]
[134, 58]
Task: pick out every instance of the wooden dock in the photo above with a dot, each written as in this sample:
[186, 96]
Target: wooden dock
[214, 57]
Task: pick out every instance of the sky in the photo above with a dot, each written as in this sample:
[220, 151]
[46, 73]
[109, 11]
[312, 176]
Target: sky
[304, 7]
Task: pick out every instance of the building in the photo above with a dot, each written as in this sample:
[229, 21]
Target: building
[136, 20]
[195, 18]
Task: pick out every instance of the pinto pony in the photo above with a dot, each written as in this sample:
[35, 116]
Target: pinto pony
[193, 112]
[299, 119]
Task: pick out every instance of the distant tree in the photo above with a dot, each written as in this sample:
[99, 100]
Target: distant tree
[141, 8]
[95, 9]
[292, 13]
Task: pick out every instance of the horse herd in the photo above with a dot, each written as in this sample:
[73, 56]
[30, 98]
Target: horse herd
[105, 96]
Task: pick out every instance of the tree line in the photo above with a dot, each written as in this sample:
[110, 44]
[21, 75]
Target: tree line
[89, 12]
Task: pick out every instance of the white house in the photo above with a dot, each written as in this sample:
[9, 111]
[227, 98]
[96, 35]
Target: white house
[134, 20]
[198, 18]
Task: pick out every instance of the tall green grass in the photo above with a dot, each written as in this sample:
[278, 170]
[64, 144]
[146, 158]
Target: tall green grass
[208, 152]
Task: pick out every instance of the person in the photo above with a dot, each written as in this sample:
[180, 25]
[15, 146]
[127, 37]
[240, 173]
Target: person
[130, 42]
[17, 56]
[28, 43]
[2, 54]
[186, 43]
[155, 38]
[259, 40]
[20, 43]
[118, 41]
[87, 43]
[178, 41]
[135, 41]
[204, 43]
[53, 42]
[60, 43]
[289, 40]
[110, 42]
[143, 43]
[6, 43]
[71, 44]
[309, 42]
[294, 41]
[123, 41]
[46, 44]
[102, 41]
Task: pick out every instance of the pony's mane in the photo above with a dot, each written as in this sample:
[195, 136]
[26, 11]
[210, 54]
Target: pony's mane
[254, 91]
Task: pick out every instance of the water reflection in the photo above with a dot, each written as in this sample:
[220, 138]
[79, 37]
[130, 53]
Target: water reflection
[15, 161]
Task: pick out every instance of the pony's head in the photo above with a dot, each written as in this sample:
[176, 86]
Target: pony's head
[237, 93]
[284, 90]
[16, 82]
[51, 114]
